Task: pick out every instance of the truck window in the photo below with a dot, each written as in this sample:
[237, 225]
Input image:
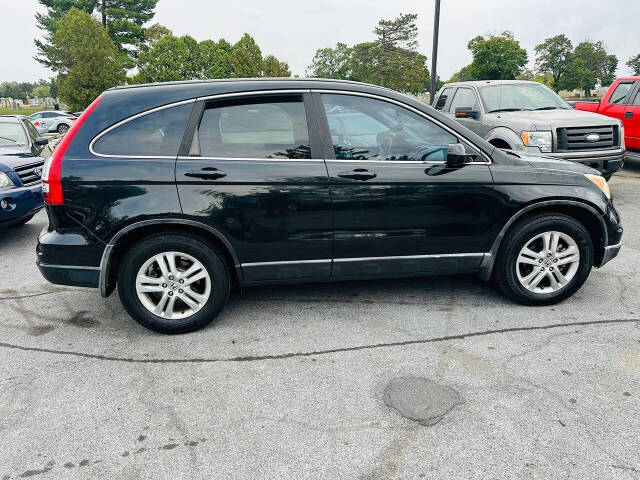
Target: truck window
[464, 98]
[620, 93]
[442, 100]
[636, 101]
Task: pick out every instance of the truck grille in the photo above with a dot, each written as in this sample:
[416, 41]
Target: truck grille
[28, 175]
[575, 138]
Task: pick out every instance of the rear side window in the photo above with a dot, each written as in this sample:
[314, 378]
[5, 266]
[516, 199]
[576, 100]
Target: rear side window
[620, 93]
[155, 134]
[267, 127]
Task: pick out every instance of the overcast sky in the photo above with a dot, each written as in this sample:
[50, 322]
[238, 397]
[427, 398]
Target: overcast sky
[292, 30]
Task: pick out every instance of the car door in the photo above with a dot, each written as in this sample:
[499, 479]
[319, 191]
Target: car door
[466, 97]
[616, 103]
[254, 172]
[397, 208]
[632, 120]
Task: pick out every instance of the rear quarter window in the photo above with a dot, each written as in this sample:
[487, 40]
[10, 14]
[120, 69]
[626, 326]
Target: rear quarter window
[154, 134]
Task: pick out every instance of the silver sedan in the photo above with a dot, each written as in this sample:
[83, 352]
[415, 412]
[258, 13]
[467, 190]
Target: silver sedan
[52, 121]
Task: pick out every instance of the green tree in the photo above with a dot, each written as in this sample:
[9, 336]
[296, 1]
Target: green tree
[246, 58]
[41, 91]
[272, 67]
[590, 65]
[332, 63]
[169, 59]
[215, 59]
[634, 64]
[465, 74]
[123, 20]
[554, 56]
[154, 33]
[498, 57]
[545, 78]
[84, 57]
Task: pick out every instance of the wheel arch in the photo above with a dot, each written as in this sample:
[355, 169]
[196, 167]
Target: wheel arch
[503, 137]
[584, 213]
[124, 239]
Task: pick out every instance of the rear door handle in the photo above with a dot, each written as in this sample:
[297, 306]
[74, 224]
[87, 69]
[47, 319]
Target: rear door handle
[361, 174]
[206, 173]
[628, 114]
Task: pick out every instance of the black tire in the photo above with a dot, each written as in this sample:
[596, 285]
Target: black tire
[205, 253]
[62, 128]
[519, 235]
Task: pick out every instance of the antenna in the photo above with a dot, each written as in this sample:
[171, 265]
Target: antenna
[145, 72]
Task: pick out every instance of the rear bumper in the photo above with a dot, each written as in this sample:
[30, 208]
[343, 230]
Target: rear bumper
[22, 202]
[72, 275]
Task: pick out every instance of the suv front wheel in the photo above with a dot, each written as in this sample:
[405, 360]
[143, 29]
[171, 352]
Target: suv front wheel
[173, 283]
[545, 259]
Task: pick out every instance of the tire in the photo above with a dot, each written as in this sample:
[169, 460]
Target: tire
[607, 176]
[62, 128]
[515, 269]
[188, 251]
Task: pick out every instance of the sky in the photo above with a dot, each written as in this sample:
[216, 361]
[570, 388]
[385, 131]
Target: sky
[293, 30]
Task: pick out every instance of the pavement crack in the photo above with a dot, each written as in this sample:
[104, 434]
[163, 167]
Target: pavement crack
[283, 356]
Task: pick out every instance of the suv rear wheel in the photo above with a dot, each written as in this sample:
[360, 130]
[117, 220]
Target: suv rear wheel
[173, 283]
[545, 259]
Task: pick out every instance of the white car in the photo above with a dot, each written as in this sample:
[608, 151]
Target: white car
[52, 121]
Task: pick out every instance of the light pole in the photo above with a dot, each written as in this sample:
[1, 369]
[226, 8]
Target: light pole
[434, 54]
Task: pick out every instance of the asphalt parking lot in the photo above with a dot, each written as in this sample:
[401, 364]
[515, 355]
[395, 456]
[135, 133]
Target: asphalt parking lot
[293, 381]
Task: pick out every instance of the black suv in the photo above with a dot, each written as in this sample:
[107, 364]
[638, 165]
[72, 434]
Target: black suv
[175, 192]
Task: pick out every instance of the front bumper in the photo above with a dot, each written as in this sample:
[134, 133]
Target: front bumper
[605, 161]
[22, 202]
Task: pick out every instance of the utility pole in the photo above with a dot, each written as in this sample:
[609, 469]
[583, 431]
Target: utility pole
[434, 54]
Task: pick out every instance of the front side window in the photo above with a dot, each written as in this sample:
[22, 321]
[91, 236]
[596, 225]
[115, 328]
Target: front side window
[155, 134]
[12, 135]
[263, 127]
[464, 98]
[620, 93]
[369, 129]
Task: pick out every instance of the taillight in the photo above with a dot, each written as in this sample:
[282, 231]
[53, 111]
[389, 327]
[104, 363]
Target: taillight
[52, 172]
[36, 123]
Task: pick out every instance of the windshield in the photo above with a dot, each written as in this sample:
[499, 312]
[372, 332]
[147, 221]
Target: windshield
[522, 96]
[12, 135]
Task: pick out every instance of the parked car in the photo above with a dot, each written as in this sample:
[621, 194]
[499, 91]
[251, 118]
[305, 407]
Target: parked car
[527, 117]
[621, 101]
[20, 168]
[175, 192]
[49, 121]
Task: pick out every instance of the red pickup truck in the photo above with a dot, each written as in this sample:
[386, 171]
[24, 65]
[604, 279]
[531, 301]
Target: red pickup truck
[621, 101]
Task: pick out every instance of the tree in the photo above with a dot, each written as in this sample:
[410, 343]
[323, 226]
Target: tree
[246, 58]
[590, 65]
[332, 63]
[41, 91]
[215, 59]
[123, 20]
[154, 33]
[498, 57]
[545, 78]
[634, 64]
[554, 56]
[395, 48]
[272, 67]
[171, 58]
[85, 58]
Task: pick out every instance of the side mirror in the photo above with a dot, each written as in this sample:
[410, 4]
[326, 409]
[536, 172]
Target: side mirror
[467, 112]
[41, 141]
[457, 155]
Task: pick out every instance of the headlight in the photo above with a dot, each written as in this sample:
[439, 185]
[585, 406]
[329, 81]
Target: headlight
[5, 181]
[601, 183]
[542, 140]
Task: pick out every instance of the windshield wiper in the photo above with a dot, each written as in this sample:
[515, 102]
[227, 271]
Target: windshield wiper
[505, 110]
[547, 108]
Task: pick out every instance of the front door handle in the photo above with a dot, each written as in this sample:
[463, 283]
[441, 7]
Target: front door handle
[206, 173]
[361, 174]
[628, 114]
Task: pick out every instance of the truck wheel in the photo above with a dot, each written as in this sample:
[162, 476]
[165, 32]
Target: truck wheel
[173, 283]
[544, 260]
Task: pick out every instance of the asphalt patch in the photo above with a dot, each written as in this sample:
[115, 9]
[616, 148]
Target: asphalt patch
[420, 399]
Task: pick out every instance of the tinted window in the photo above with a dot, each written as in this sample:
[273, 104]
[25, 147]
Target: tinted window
[269, 127]
[620, 93]
[50, 115]
[12, 135]
[155, 134]
[464, 98]
[369, 129]
[636, 101]
[442, 100]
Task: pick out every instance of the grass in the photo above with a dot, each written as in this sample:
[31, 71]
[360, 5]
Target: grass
[20, 111]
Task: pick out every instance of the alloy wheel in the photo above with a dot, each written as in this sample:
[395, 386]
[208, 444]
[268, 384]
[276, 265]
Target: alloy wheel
[173, 285]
